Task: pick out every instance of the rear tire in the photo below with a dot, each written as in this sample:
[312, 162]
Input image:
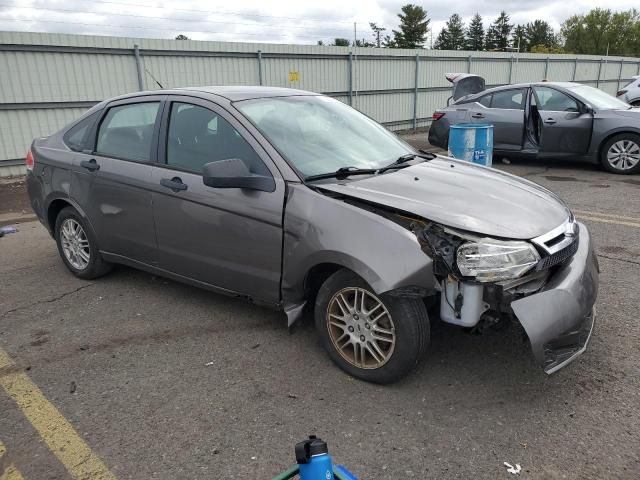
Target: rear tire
[78, 247]
[374, 338]
[621, 154]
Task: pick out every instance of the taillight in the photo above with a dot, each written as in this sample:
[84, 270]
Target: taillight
[437, 116]
[29, 160]
[620, 93]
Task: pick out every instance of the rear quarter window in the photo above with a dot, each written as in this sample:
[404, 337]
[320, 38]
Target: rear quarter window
[77, 137]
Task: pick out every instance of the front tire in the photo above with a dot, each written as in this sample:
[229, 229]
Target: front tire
[374, 338]
[78, 247]
[621, 154]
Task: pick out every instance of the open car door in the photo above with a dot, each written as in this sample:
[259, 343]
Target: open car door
[465, 84]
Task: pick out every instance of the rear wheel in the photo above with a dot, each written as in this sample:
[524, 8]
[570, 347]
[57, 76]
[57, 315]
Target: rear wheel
[621, 154]
[375, 338]
[77, 246]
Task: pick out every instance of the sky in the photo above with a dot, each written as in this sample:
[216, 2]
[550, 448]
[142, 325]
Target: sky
[285, 21]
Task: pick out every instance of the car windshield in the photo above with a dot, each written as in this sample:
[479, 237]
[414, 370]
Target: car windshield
[318, 134]
[597, 98]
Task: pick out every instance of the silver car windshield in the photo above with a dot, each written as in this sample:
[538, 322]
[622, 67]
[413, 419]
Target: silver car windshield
[318, 134]
[597, 98]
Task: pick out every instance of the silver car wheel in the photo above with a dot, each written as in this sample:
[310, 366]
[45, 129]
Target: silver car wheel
[75, 244]
[624, 154]
[361, 328]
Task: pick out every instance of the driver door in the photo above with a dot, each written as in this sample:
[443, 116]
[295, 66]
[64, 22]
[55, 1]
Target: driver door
[564, 127]
[230, 238]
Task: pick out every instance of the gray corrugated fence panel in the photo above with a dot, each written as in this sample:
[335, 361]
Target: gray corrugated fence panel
[369, 74]
[587, 71]
[432, 71]
[46, 77]
[560, 70]
[195, 71]
[524, 72]
[19, 127]
[317, 75]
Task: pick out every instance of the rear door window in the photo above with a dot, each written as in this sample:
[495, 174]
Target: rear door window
[127, 131]
[509, 99]
[485, 101]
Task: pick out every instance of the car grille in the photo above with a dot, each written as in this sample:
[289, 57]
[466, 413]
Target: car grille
[560, 256]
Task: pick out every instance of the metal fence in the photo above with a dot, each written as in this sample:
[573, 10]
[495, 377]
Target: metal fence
[47, 80]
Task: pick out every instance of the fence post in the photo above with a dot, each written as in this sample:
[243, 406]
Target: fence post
[510, 69]
[575, 69]
[136, 52]
[415, 95]
[546, 69]
[260, 67]
[350, 78]
[599, 72]
[638, 72]
[620, 74]
[469, 64]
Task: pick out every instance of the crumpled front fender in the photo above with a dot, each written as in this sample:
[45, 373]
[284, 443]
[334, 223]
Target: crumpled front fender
[559, 319]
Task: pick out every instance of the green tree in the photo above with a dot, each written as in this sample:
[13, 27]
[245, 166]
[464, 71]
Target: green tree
[499, 33]
[341, 42]
[377, 30]
[540, 33]
[602, 30]
[519, 38]
[451, 37]
[413, 29]
[182, 37]
[474, 37]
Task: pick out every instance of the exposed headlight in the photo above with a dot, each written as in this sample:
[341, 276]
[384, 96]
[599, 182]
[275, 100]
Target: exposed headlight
[491, 260]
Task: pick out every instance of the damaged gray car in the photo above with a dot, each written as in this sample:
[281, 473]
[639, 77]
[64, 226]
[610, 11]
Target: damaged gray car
[291, 199]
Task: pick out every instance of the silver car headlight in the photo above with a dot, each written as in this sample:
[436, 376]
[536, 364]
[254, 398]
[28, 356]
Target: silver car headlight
[490, 260]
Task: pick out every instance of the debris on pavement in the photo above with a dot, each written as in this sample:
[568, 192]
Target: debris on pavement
[511, 469]
[7, 230]
[208, 364]
[73, 387]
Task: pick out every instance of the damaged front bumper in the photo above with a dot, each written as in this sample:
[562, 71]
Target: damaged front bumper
[559, 319]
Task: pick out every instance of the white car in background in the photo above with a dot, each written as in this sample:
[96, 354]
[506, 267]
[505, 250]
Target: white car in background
[630, 93]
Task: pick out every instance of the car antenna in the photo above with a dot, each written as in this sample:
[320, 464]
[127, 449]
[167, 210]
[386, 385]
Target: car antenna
[154, 78]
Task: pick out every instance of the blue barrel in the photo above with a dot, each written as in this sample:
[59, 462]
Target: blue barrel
[472, 142]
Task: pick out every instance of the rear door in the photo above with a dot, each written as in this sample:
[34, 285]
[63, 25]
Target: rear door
[565, 128]
[227, 237]
[504, 109]
[115, 189]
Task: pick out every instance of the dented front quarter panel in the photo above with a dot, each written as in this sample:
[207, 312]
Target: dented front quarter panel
[563, 312]
[319, 229]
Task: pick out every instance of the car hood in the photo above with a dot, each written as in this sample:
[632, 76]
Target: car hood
[631, 113]
[464, 196]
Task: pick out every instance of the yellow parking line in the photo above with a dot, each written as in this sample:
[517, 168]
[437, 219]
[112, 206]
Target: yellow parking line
[608, 220]
[55, 430]
[11, 472]
[605, 215]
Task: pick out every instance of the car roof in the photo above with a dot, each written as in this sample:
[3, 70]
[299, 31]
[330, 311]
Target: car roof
[230, 93]
[532, 84]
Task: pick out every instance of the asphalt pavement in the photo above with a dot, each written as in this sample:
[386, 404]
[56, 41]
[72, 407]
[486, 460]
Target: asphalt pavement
[143, 378]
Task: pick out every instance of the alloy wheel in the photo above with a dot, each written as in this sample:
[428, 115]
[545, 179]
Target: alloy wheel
[75, 244]
[361, 328]
[624, 154]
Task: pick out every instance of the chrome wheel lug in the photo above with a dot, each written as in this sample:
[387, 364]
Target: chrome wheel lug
[351, 329]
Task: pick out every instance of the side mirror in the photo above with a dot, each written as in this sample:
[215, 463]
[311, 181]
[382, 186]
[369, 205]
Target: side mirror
[233, 173]
[587, 108]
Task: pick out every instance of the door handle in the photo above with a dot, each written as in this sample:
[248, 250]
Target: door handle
[174, 184]
[549, 121]
[477, 115]
[90, 165]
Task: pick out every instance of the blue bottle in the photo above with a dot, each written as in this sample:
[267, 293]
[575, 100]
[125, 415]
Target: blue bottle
[313, 460]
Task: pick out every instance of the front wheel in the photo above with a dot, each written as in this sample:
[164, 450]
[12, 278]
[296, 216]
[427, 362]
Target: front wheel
[374, 338]
[621, 154]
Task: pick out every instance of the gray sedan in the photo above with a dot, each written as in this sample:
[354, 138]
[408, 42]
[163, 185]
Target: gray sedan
[291, 199]
[546, 119]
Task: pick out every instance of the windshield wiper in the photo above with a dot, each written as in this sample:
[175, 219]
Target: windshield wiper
[342, 173]
[402, 160]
